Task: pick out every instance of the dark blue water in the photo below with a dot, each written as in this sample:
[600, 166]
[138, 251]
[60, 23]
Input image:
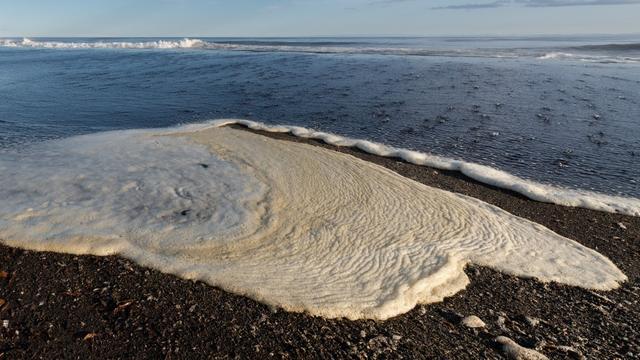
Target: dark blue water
[543, 112]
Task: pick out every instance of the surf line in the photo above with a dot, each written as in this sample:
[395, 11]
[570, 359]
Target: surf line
[481, 173]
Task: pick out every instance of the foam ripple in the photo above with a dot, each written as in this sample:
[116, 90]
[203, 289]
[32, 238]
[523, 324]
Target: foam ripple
[289, 224]
[484, 174]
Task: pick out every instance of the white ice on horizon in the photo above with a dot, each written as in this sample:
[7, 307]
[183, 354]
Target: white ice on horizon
[288, 224]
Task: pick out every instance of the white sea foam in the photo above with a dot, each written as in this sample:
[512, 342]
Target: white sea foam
[484, 174]
[158, 44]
[318, 48]
[593, 58]
[289, 224]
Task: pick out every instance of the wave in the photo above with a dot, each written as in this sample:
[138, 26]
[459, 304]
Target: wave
[603, 59]
[481, 173]
[611, 47]
[321, 47]
[157, 44]
[252, 46]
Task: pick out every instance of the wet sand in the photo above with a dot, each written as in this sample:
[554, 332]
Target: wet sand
[56, 305]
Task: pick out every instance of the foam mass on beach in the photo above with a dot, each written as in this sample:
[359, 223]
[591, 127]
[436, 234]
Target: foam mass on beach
[289, 224]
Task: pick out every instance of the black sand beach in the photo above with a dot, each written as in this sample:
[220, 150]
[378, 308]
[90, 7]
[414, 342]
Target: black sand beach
[65, 306]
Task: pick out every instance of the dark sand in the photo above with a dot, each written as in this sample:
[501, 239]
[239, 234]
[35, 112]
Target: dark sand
[65, 306]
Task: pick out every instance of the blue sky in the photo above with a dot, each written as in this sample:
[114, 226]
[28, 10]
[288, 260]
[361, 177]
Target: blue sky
[315, 17]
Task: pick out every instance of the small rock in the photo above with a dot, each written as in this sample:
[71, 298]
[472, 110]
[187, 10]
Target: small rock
[473, 322]
[363, 334]
[570, 351]
[122, 306]
[532, 321]
[5, 324]
[501, 323]
[89, 336]
[622, 226]
[516, 352]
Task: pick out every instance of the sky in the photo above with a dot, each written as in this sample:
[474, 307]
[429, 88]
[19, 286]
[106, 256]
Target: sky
[30, 18]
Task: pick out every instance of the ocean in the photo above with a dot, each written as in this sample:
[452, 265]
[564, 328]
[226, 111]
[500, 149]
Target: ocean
[561, 111]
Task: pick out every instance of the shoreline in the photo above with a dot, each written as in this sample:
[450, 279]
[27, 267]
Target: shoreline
[86, 306]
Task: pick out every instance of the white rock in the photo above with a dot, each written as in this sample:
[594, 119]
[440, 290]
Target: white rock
[516, 352]
[473, 322]
[532, 321]
[622, 226]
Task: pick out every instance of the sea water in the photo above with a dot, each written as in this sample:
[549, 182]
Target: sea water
[563, 111]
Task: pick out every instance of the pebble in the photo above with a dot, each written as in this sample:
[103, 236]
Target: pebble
[5, 324]
[516, 352]
[473, 321]
[532, 321]
[501, 323]
[622, 226]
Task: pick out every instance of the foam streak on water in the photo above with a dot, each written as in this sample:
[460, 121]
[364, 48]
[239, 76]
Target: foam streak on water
[289, 224]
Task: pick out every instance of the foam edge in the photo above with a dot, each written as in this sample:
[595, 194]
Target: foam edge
[481, 173]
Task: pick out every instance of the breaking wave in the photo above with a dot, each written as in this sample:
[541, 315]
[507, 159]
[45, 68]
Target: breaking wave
[603, 59]
[158, 44]
[346, 47]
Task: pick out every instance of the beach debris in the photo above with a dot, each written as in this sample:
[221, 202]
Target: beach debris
[473, 322]
[89, 336]
[516, 352]
[122, 306]
[622, 226]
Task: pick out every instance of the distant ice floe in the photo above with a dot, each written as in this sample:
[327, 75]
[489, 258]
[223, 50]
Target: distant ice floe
[289, 224]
